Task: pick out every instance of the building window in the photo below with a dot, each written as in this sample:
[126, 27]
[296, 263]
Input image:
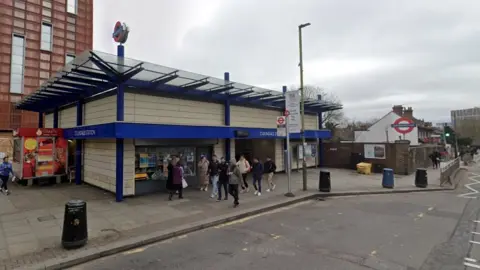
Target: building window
[69, 58]
[72, 6]
[46, 37]
[18, 64]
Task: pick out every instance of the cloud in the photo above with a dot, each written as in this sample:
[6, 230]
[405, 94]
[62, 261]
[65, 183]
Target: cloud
[371, 54]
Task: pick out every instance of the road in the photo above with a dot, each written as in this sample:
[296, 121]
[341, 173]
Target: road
[398, 231]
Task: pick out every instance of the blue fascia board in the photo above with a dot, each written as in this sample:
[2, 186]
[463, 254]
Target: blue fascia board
[161, 131]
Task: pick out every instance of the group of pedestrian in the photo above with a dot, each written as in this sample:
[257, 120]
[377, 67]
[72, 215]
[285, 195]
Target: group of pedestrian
[226, 177]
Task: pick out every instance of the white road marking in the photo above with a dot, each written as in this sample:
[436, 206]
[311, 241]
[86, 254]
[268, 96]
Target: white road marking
[476, 266]
[470, 260]
[469, 186]
[475, 242]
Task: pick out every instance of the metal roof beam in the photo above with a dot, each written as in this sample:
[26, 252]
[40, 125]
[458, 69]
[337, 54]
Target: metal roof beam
[221, 89]
[91, 74]
[105, 67]
[195, 84]
[241, 94]
[132, 72]
[258, 97]
[273, 98]
[165, 78]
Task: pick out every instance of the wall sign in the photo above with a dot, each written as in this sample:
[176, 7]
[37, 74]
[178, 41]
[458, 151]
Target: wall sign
[292, 105]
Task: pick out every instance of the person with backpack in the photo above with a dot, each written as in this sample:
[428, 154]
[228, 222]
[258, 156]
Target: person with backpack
[269, 169]
[244, 168]
[5, 171]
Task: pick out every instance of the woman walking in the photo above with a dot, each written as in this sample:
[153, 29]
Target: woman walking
[5, 171]
[177, 176]
[203, 173]
[244, 168]
[234, 180]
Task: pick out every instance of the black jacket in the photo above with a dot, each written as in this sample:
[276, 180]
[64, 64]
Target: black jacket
[223, 168]
[213, 168]
[269, 166]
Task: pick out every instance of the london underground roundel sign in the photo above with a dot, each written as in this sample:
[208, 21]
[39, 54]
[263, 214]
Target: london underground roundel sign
[120, 32]
[403, 125]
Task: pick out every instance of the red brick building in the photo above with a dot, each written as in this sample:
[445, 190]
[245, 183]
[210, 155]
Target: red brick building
[37, 37]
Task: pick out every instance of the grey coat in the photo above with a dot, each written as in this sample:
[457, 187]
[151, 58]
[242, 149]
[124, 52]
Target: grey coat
[236, 176]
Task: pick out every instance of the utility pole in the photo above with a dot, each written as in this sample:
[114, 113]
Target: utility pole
[302, 105]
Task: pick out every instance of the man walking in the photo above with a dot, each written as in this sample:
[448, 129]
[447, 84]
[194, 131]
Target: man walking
[223, 179]
[257, 173]
[269, 168]
[235, 178]
[213, 171]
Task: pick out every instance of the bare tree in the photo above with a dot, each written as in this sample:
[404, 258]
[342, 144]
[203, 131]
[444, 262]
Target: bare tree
[330, 119]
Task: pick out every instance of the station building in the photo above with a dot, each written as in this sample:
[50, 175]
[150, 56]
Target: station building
[126, 118]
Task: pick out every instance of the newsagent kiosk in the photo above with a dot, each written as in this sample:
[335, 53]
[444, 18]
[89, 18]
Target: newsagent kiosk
[127, 118]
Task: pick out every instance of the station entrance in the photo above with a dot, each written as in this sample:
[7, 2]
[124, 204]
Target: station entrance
[251, 148]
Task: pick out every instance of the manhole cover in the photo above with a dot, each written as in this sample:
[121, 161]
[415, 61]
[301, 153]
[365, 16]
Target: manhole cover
[46, 218]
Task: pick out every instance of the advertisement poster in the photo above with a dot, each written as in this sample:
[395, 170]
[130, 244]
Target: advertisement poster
[60, 161]
[44, 157]
[143, 163]
[375, 151]
[30, 157]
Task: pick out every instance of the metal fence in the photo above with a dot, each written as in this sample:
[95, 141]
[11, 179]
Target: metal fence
[447, 171]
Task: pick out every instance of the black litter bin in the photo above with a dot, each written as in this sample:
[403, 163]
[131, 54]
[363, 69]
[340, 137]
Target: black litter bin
[324, 181]
[75, 230]
[421, 179]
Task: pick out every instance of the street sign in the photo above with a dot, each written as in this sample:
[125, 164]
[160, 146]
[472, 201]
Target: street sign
[287, 113]
[281, 126]
[403, 125]
[292, 105]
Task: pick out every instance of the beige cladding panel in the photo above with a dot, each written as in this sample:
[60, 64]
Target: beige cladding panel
[67, 118]
[141, 108]
[219, 148]
[99, 163]
[311, 122]
[128, 167]
[253, 117]
[100, 111]
[48, 120]
[279, 155]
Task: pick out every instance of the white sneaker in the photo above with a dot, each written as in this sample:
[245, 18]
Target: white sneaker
[259, 194]
[206, 189]
[268, 190]
[255, 193]
[274, 186]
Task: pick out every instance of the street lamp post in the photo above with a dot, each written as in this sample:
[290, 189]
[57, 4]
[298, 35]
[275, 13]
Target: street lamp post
[302, 105]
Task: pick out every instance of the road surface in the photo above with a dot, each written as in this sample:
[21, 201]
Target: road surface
[397, 231]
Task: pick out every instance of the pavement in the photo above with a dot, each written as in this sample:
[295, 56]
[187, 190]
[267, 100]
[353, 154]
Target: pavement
[31, 218]
[395, 232]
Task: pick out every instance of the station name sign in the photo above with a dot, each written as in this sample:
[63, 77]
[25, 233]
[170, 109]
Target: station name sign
[84, 133]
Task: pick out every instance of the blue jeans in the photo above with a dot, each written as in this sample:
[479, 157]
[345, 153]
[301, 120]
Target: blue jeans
[214, 179]
[257, 179]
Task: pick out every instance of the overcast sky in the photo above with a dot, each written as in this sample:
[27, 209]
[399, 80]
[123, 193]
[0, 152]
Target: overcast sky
[372, 54]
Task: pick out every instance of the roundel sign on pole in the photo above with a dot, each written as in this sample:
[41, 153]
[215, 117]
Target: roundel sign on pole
[120, 32]
[403, 125]
[280, 120]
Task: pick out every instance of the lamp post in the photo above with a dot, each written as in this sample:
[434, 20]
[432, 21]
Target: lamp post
[302, 105]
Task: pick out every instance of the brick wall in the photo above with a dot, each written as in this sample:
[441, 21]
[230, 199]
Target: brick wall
[400, 156]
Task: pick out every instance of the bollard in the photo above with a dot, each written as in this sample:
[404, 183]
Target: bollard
[388, 178]
[421, 178]
[324, 184]
[75, 230]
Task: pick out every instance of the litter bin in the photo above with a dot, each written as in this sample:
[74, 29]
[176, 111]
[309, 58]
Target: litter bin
[421, 178]
[388, 178]
[324, 184]
[75, 231]
[364, 168]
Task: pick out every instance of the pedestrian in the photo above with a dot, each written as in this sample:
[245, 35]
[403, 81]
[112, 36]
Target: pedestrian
[437, 158]
[5, 171]
[244, 168]
[177, 179]
[257, 175]
[234, 180]
[269, 168]
[223, 179]
[213, 172]
[433, 158]
[203, 173]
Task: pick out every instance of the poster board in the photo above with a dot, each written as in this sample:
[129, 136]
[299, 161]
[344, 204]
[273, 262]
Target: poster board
[375, 151]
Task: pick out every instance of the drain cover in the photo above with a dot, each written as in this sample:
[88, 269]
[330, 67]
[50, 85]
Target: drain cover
[46, 218]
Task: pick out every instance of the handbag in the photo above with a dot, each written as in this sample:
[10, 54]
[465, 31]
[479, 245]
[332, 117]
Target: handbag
[184, 183]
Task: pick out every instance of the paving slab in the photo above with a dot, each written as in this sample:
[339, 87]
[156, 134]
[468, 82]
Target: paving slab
[31, 231]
